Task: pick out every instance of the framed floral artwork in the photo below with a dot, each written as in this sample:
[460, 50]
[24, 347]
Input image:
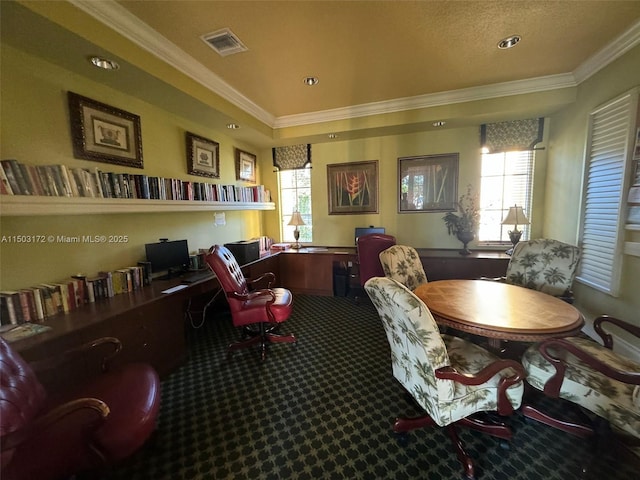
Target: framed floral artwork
[103, 133]
[202, 156]
[353, 187]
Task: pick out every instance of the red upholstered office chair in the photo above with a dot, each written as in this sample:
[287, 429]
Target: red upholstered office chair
[369, 247]
[96, 424]
[258, 312]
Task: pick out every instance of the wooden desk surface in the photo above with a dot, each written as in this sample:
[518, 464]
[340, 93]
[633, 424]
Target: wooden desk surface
[498, 310]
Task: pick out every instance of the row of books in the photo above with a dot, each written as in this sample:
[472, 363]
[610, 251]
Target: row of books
[61, 181]
[35, 304]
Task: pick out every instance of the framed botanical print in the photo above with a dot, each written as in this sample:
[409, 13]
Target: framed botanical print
[202, 156]
[103, 133]
[353, 187]
[245, 166]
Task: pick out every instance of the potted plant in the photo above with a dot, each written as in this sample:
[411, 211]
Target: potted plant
[464, 223]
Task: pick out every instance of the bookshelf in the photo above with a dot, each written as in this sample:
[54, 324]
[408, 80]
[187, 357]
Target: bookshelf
[20, 205]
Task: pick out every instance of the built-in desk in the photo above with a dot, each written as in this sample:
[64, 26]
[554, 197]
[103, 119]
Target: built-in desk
[151, 325]
[311, 270]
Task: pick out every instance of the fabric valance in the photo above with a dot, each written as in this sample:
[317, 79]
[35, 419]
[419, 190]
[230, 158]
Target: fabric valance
[292, 157]
[512, 135]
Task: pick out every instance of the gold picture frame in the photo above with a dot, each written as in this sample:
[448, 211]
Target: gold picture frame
[245, 166]
[103, 133]
[203, 156]
[353, 187]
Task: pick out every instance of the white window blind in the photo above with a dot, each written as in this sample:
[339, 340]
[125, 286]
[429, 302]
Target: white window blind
[611, 130]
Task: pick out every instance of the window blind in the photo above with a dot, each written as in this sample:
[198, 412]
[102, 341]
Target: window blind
[610, 133]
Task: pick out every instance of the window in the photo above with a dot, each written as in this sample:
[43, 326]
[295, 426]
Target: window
[610, 140]
[295, 194]
[506, 179]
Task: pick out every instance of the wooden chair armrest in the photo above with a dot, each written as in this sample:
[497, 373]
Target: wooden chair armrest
[552, 387]
[50, 363]
[504, 405]
[13, 439]
[607, 339]
[268, 275]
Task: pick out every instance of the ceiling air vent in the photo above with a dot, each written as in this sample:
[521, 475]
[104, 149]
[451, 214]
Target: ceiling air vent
[224, 42]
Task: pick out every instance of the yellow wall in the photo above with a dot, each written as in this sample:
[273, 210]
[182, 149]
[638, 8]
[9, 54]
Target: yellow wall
[564, 182]
[35, 130]
[422, 230]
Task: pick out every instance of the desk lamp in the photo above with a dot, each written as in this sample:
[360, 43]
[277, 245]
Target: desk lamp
[516, 217]
[296, 221]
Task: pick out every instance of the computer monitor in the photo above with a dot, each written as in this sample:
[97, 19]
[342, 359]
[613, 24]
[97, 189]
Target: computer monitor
[171, 257]
[367, 230]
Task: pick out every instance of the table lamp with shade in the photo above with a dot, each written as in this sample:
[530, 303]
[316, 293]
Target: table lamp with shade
[296, 221]
[515, 217]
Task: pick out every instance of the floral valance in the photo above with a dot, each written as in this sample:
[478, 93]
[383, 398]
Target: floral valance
[292, 157]
[512, 135]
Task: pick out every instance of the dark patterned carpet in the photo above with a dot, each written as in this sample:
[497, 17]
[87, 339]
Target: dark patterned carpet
[323, 410]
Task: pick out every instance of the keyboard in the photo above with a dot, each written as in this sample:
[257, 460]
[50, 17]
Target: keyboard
[196, 277]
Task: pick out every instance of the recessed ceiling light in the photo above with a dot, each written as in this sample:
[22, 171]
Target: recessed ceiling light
[105, 63]
[509, 42]
[439, 123]
[233, 126]
[310, 81]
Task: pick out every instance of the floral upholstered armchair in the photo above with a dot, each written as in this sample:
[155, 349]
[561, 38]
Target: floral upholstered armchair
[590, 375]
[546, 265]
[402, 263]
[449, 378]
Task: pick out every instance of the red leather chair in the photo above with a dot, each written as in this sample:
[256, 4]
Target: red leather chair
[369, 247]
[96, 424]
[258, 312]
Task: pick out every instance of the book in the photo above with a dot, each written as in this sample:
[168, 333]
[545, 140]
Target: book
[9, 167]
[11, 308]
[23, 331]
[5, 185]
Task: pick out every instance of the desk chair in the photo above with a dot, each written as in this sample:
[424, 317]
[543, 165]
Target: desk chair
[257, 312]
[449, 378]
[369, 247]
[582, 372]
[87, 428]
[402, 263]
[546, 265]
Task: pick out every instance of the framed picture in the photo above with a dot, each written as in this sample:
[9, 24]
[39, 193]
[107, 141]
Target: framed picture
[203, 156]
[353, 187]
[103, 133]
[428, 183]
[245, 166]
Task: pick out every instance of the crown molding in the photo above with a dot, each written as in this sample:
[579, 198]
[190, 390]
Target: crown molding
[131, 27]
[518, 87]
[609, 53]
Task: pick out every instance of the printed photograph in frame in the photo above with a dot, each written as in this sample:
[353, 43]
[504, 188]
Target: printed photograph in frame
[353, 187]
[245, 166]
[203, 157]
[428, 183]
[103, 133]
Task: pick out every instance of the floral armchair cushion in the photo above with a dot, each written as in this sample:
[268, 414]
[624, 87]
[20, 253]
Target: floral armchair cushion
[589, 388]
[402, 263]
[546, 265]
[418, 350]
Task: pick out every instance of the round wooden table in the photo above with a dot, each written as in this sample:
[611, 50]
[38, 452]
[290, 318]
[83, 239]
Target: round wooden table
[499, 311]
